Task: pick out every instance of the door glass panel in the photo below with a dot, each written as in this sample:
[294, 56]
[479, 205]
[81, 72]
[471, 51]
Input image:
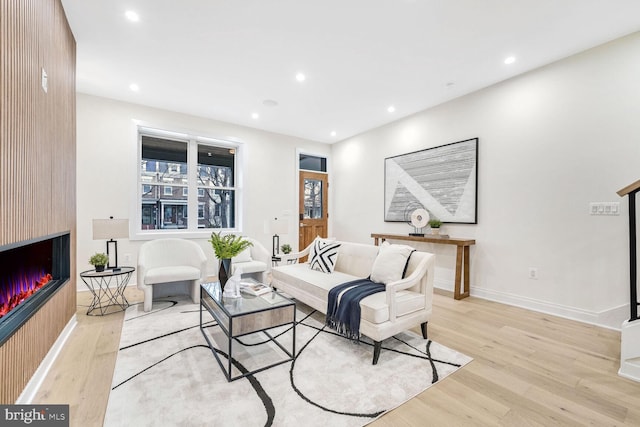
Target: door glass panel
[313, 163]
[313, 203]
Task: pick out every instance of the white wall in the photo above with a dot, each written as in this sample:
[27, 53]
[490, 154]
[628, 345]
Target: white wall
[107, 168]
[551, 141]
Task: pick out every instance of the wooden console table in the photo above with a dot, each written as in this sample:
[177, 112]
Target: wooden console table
[462, 256]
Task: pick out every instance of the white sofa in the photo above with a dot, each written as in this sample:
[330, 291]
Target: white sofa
[166, 261]
[406, 303]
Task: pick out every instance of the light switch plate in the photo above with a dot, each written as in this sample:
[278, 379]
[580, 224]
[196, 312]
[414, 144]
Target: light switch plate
[604, 208]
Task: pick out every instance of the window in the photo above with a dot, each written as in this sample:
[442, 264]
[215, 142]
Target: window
[216, 186]
[313, 163]
[178, 174]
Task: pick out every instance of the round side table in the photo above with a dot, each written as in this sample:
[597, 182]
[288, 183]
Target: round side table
[107, 288]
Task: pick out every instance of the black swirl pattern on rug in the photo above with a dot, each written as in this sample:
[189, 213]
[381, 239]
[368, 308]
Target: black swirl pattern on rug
[172, 304]
[260, 392]
[264, 397]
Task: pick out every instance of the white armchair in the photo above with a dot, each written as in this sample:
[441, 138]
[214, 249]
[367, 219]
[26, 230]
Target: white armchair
[254, 261]
[170, 260]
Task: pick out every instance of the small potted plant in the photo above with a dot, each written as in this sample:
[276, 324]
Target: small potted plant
[435, 226]
[286, 248]
[99, 261]
[226, 247]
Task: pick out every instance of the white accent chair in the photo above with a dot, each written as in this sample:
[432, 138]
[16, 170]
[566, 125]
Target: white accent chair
[255, 261]
[165, 261]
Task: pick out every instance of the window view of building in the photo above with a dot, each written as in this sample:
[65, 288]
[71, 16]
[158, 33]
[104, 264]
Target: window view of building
[216, 186]
[166, 187]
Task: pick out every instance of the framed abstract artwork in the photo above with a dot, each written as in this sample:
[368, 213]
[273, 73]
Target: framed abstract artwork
[443, 180]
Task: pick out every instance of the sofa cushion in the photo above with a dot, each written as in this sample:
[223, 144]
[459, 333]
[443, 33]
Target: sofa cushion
[374, 308]
[323, 255]
[356, 258]
[391, 263]
[310, 281]
[171, 274]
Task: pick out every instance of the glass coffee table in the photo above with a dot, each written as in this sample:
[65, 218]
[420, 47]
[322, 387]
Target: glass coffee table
[242, 317]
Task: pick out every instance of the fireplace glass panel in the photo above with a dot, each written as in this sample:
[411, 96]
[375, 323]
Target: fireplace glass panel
[32, 271]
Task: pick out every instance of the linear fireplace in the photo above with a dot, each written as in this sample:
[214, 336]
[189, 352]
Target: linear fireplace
[32, 273]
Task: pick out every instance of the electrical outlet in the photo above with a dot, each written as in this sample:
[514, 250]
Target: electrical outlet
[127, 257]
[533, 273]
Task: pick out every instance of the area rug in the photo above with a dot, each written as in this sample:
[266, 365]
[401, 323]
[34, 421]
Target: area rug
[166, 374]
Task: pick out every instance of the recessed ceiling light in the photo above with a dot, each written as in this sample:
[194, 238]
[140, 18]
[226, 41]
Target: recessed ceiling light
[333, 133]
[510, 60]
[132, 16]
[134, 87]
[391, 109]
[255, 115]
[300, 77]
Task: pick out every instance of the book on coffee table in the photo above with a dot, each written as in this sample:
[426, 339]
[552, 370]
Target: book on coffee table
[254, 288]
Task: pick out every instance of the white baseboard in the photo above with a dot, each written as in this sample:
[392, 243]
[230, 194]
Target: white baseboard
[29, 392]
[611, 318]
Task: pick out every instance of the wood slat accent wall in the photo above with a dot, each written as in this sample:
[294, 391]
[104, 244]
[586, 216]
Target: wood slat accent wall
[37, 163]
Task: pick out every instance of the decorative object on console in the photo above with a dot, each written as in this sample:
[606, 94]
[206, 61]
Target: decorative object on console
[323, 255]
[441, 179]
[111, 229]
[277, 227]
[419, 218]
[435, 225]
[99, 260]
[226, 247]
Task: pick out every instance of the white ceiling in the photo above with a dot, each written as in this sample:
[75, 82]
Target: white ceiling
[222, 58]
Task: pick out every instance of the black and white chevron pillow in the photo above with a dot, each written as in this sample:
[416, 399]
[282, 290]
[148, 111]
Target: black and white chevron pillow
[324, 254]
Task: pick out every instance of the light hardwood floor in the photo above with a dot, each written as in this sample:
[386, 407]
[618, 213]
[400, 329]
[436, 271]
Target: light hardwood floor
[529, 369]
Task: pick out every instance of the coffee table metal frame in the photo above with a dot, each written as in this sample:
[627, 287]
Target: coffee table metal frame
[252, 314]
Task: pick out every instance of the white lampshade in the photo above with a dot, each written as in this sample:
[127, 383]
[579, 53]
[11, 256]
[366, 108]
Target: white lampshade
[110, 228]
[279, 226]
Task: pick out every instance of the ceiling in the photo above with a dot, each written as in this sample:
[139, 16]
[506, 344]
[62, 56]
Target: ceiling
[222, 59]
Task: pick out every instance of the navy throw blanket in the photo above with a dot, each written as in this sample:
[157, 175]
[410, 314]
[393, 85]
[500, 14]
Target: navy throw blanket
[344, 315]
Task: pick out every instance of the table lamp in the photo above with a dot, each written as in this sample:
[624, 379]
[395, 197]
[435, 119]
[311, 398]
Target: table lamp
[111, 229]
[278, 226]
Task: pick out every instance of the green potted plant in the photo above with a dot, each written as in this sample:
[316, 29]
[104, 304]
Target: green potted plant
[99, 261]
[286, 248]
[226, 247]
[435, 225]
